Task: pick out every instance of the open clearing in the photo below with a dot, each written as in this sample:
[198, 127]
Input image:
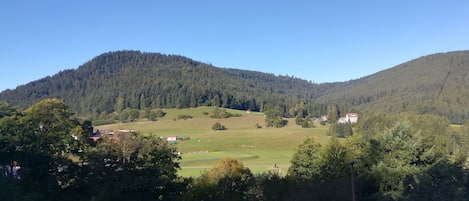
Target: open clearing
[260, 149]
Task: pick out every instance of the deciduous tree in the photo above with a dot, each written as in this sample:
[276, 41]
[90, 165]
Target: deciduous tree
[305, 163]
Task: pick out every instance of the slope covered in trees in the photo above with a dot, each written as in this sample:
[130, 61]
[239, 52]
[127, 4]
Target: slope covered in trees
[434, 84]
[131, 79]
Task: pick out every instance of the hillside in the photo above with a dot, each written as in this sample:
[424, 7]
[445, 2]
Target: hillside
[435, 84]
[131, 79]
[242, 139]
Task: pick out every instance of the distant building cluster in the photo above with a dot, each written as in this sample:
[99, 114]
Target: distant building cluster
[111, 134]
[349, 118]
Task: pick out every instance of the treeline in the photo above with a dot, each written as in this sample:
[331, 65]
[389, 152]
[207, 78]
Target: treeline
[46, 154]
[390, 157]
[122, 80]
[434, 84]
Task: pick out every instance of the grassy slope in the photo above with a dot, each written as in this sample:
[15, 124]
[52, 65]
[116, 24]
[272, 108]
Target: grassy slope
[258, 149]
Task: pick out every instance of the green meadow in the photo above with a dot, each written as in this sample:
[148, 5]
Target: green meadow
[260, 149]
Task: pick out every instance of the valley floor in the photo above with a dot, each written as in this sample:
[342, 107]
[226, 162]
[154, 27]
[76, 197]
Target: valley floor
[260, 149]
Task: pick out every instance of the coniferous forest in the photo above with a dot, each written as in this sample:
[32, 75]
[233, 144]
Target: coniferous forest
[433, 84]
[406, 145]
[130, 79]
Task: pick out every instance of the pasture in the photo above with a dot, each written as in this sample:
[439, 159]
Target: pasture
[260, 149]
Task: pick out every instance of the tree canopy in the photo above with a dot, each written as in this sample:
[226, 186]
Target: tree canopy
[46, 154]
[39, 143]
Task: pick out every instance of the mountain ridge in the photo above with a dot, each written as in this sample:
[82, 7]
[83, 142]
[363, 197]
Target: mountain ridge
[435, 84]
[153, 80]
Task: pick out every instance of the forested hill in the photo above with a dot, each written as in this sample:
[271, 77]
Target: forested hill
[435, 84]
[132, 79]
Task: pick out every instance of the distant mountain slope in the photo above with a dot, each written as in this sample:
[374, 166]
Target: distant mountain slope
[437, 84]
[434, 84]
[132, 79]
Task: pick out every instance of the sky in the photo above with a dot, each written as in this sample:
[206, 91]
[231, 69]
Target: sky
[319, 41]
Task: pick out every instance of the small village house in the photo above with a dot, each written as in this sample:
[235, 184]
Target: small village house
[349, 118]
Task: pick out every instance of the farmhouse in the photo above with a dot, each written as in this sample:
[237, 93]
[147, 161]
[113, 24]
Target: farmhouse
[111, 134]
[324, 118]
[349, 118]
[172, 138]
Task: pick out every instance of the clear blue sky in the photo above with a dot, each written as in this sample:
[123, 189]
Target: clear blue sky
[320, 41]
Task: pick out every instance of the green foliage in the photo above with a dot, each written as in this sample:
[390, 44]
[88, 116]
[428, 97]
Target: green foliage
[114, 81]
[152, 116]
[39, 140]
[279, 122]
[305, 162]
[433, 84]
[272, 186]
[441, 181]
[410, 160]
[304, 122]
[42, 139]
[184, 116]
[402, 153]
[374, 123]
[333, 113]
[334, 160]
[459, 142]
[340, 130]
[222, 114]
[298, 120]
[160, 113]
[129, 115]
[274, 118]
[218, 127]
[395, 164]
[142, 168]
[99, 122]
[227, 180]
[48, 126]
[360, 150]
[299, 110]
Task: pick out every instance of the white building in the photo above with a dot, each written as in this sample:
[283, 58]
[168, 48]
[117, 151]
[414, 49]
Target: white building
[172, 138]
[349, 118]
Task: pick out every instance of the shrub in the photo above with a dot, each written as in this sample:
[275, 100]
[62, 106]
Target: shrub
[152, 116]
[217, 127]
[184, 116]
[160, 113]
[222, 114]
[340, 130]
[258, 126]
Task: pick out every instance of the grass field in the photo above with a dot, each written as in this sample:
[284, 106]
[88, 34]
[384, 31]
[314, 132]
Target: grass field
[260, 149]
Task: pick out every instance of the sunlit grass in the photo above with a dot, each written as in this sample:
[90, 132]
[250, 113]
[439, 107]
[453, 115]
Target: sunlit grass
[260, 149]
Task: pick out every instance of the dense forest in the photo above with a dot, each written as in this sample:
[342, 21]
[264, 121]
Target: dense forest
[109, 83]
[47, 154]
[129, 79]
[433, 84]
[404, 146]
